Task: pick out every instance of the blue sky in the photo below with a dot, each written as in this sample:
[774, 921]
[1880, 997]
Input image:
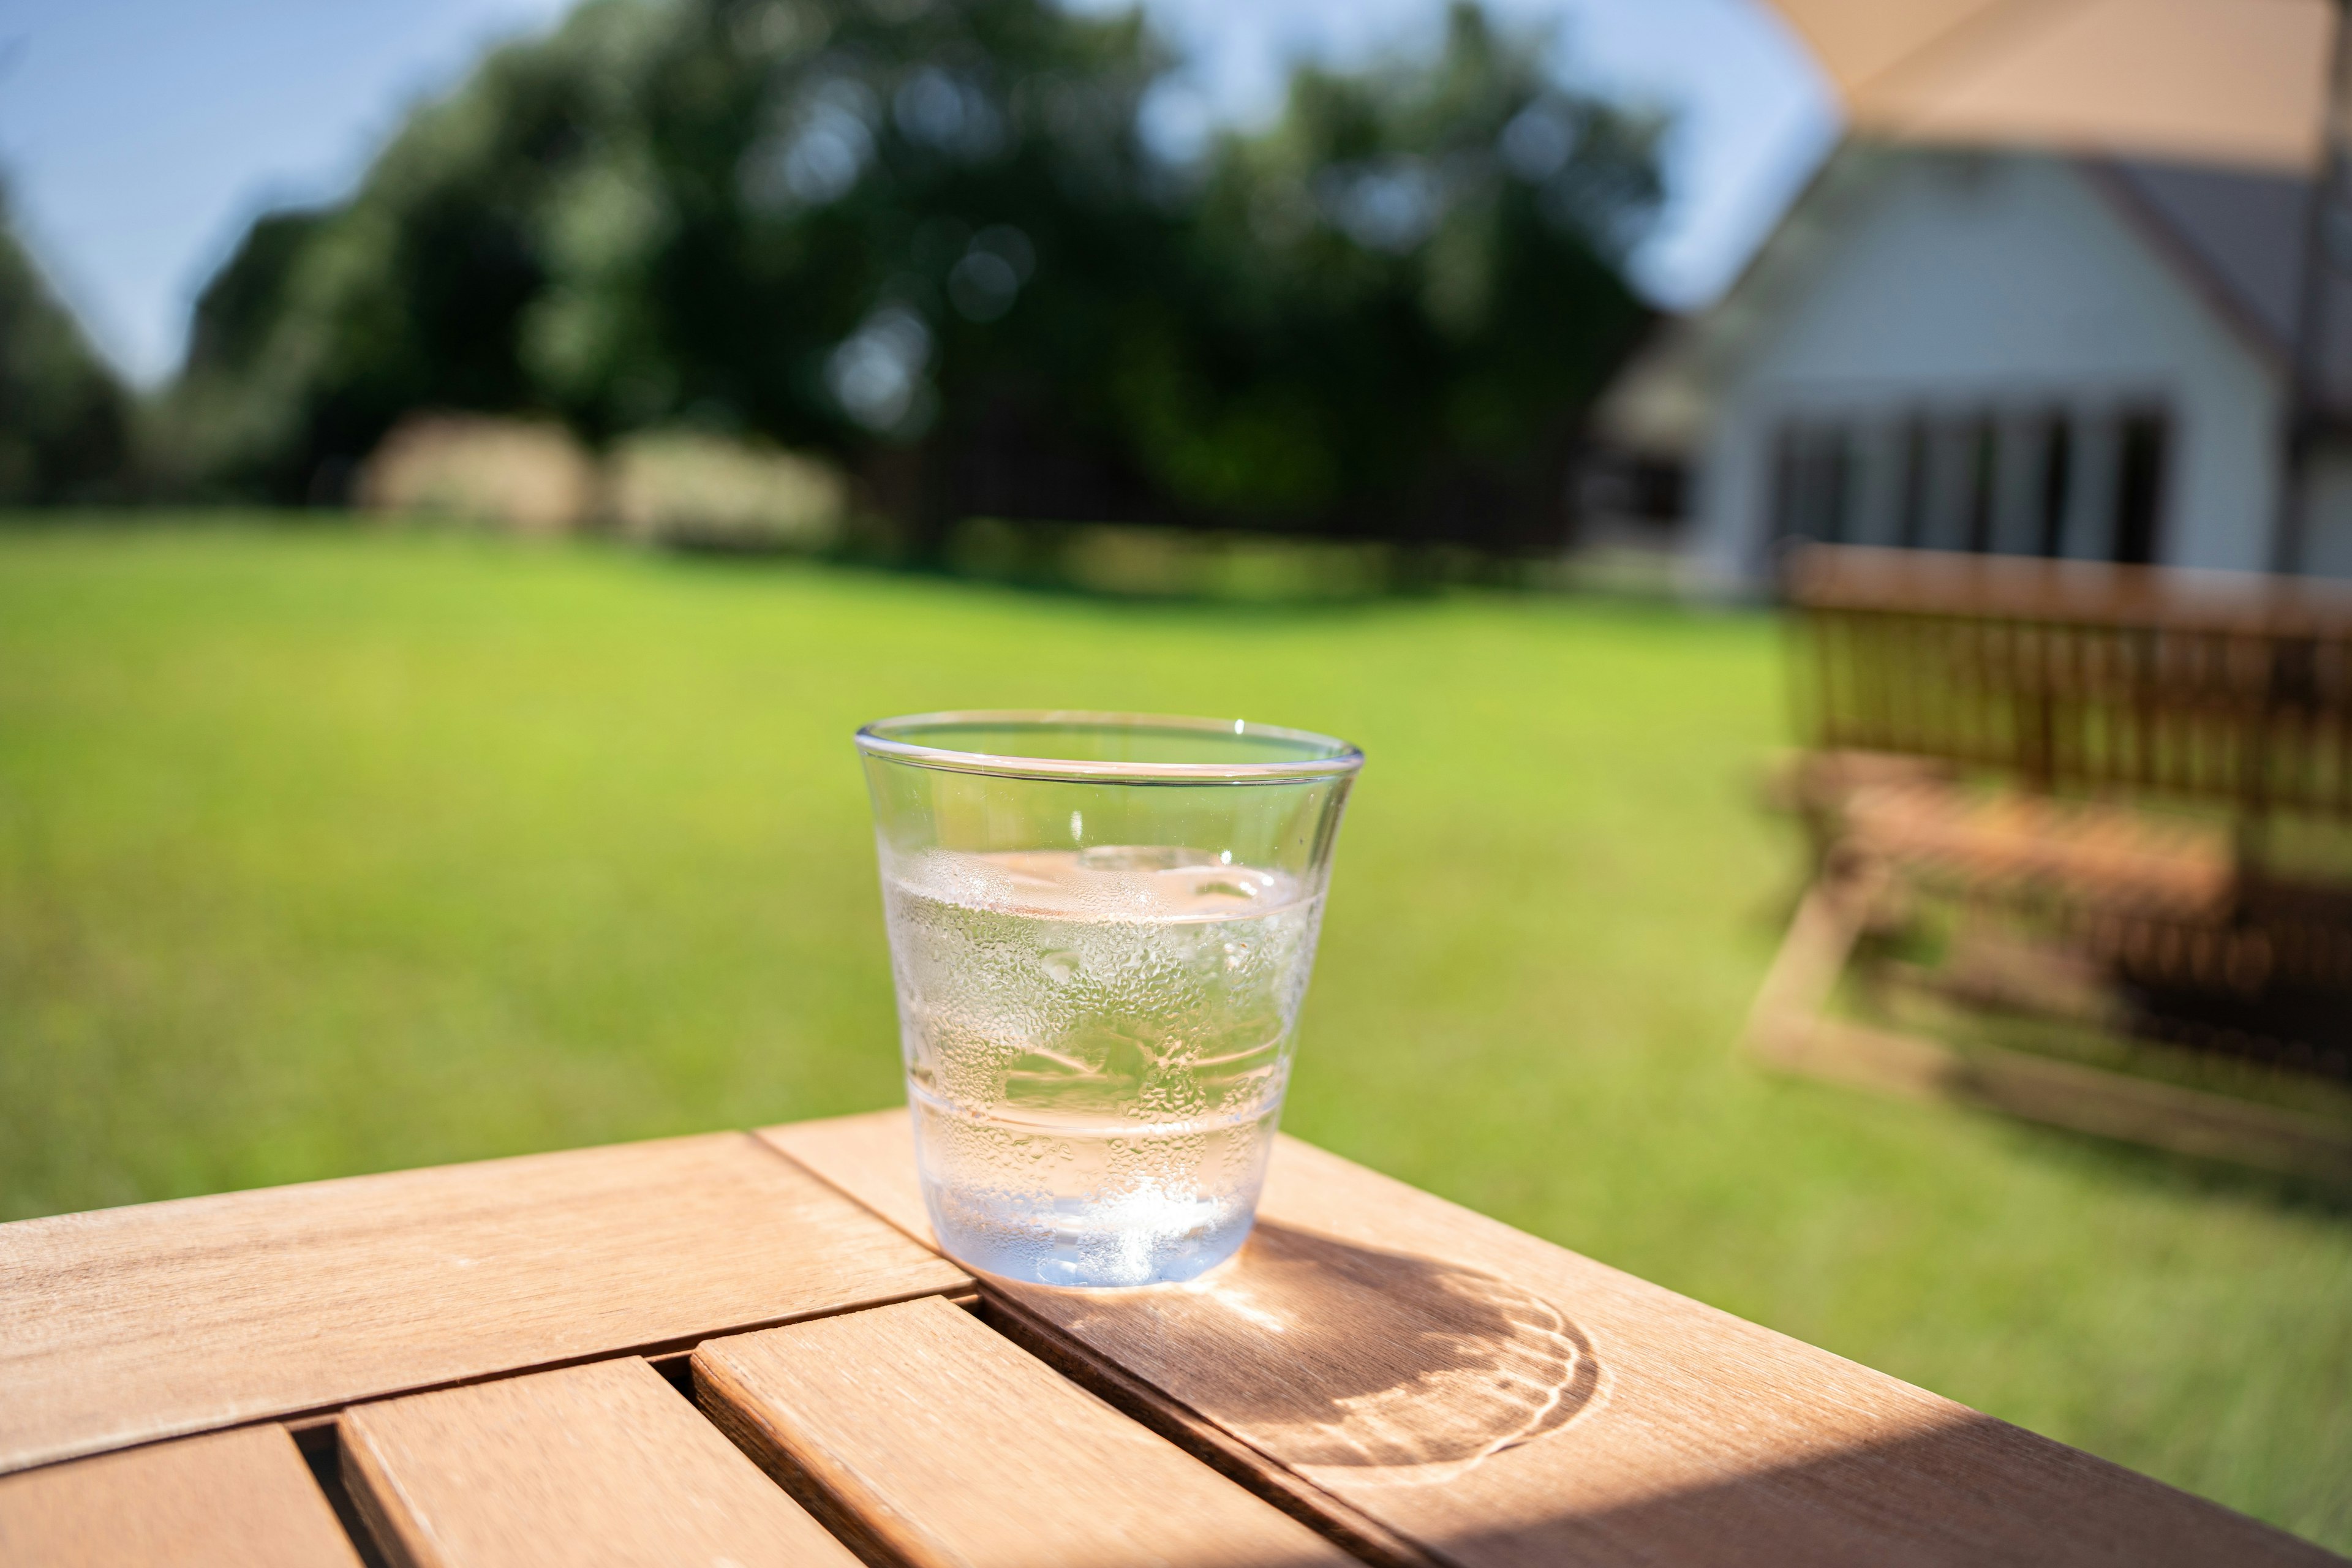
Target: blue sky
[139, 137]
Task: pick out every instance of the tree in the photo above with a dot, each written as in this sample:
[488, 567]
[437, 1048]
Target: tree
[929, 238]
[1409, 290]
[63, 415]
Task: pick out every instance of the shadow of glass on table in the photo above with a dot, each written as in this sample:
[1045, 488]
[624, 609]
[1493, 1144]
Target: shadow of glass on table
[1386, 1360]
[1428, 1386]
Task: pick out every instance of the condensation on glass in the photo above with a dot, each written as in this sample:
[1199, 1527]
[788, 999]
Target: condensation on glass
[1101, 928]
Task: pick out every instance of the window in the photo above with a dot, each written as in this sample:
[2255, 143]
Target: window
[2139, 486]
[1813, 472]
[2083, 481]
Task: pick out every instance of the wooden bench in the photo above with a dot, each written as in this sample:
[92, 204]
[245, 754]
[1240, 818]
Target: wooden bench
[2121, 787]
[742, 1350]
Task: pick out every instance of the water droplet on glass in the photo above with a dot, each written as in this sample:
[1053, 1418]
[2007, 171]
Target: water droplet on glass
[1059, 966]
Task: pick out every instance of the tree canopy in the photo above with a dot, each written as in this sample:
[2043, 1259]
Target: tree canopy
[929, 237]
[64, 420]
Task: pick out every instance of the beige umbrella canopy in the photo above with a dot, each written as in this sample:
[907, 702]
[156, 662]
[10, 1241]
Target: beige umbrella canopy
[2237, 82]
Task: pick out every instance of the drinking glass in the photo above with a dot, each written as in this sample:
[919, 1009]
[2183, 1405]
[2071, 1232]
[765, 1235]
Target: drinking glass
[1101, 927]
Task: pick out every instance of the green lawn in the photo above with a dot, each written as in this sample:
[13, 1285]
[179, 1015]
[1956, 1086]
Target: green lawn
[325, 851]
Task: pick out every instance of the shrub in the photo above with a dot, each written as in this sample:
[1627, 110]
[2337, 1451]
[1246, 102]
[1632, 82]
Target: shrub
[702, 491]
[515, 476]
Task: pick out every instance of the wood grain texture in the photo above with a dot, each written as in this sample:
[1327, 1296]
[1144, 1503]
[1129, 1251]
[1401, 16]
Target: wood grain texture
[1494, 1399]
[129, 1324]
[871, 1158]
[935, 1442]
[601, 1466]
[231, 1499]
[1357, 1532]
[860, 1155]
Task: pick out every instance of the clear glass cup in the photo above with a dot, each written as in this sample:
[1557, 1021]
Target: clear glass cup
[1101, 928]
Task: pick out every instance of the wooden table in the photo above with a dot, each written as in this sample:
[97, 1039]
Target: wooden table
[742, 1349]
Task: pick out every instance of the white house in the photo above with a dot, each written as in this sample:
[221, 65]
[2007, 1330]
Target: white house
[2007, 350]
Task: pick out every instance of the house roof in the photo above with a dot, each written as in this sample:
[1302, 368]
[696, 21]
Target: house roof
[2237, 237]
[2241, 239]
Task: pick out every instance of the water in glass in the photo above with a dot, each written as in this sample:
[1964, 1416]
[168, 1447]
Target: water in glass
[1096, 1042]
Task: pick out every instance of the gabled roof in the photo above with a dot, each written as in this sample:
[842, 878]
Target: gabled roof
[1662, 400]
[2235, 238]
[2241, 239]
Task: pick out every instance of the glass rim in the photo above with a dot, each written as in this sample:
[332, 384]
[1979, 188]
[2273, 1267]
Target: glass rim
[875, 740]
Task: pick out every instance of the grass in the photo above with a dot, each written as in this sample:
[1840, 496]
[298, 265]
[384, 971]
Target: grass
[332, 851]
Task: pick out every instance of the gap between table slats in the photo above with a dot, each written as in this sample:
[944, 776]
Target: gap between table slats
[927, 1439]
[600, 1465]
[131, 1325]
[871, 1159]
[1483, 1398]
[228, 1499]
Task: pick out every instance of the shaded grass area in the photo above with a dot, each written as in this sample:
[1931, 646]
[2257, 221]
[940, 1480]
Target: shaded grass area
[325, 852]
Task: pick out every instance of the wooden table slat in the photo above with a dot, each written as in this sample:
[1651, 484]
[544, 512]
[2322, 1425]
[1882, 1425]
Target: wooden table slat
[918, 1431]
[230, 1499]
[1494, 1399]
[602, 1465]
[129, 1324]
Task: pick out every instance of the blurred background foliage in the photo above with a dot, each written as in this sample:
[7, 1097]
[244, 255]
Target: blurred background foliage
[64, 421]
[932, 244]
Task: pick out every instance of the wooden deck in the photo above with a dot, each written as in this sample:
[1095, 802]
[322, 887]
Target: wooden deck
[743, 1348]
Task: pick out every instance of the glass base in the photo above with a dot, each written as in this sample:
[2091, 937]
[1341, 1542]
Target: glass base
[1142, 1238]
